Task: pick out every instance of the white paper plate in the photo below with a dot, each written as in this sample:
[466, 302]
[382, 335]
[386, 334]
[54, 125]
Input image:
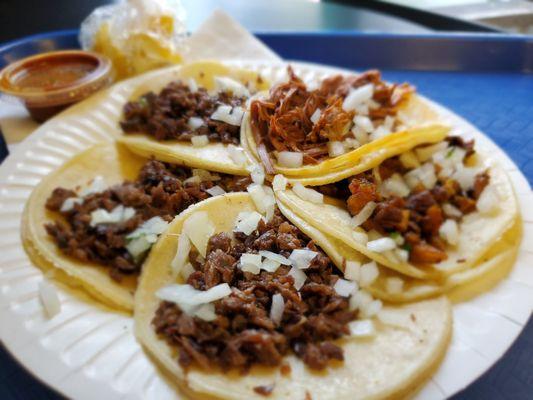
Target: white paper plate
[88, 352]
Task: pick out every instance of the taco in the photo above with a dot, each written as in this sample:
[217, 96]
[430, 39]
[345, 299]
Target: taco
[267, 314]
[192, 116]
[346, 125]
[426, 213]
[98, 215]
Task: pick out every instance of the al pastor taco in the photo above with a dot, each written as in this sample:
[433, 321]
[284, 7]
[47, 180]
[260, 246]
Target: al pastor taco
[235, 305]
[346, 125]
[97, 216]
[192, 117]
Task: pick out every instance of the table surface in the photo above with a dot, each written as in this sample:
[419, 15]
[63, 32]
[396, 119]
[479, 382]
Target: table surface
[512, 377]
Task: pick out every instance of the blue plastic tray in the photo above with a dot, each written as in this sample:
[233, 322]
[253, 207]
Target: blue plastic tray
[488, 79]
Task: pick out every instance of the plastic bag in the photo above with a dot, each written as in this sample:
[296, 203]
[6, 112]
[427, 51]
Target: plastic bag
[137, 35]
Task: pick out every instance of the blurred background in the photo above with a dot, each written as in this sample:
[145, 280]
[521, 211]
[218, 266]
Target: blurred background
[23, 17]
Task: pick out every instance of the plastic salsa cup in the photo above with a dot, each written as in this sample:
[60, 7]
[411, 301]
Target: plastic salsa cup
[50, 82]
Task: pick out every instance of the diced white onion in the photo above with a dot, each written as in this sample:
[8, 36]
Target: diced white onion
[237, 154]
[215, 191]
[336, 148]
[424, 175]
[360, 237]
[352, 270]
[424, 153]
[388, 122]
[226, 84]
[360, 135]
[251, 263]
[301, 258]
[363, 328]
[299, 277]
[362, 109]
[451, 211]
[395, 186]
[360, 300]
[381, 245]
[369, 273]
[69, 203]
[257, 173]
[153, 226]
[97, 185]
[187, 270]
[258, 196]
[488, 201]
[394, 285]
[194, 123]
[199, 141]
[364, 123]
[364, 214]
[380, 132]
[229, 115]
[316, 116]
[247, 222]
[138, 246]
[357, 96]
[409, 160]
[290, 159]
[277, 308]
[371, 309]
[193, 86]
[117, 215]
[402, 254]
[206, 312]
[182, 253]
[193, 179]
[213, 294]
[49, 299]
[465, 176]
[449, 231]
[275, 257]
[279, 182]
[270, 265]
[199, 229]
[351, 143]
[308, 194]
[345, 288]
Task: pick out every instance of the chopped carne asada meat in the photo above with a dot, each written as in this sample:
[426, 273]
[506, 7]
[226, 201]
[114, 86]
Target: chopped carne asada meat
[243, 334]
[159, 191]
[166, 115]
[417, 216]
[283, 122]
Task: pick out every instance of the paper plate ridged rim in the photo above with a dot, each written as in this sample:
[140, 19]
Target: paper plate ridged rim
[86, 352]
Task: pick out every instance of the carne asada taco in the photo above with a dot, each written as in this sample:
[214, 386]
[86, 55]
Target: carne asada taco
[233, 305]
[346, 125]
[192, 117]
[427, 213]
[97, 216]
[388, 285]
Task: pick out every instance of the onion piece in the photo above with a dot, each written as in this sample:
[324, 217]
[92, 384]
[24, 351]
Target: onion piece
[424, 153]
[270, 265]
[277, 308]
[360, 236]
[194, 123]
[97, 185]
[49, 299]
[213, 294]
[394, 186]
[394, 285]
[381, 245]
[359, 300]
[360, 135]
[357, 96]
[372, 308]
[206, 312]
[402, 254]
[299, 277]
[364, 123]
[193, 86]
[488, 201]
[290, 159]
[199, 229]
[369, 273]
[335, 148]
[449, 231]
[182, 253]
[465, 176]
[275, 257]
[236, 154]
[451, 211]
[186, 271]
[215, 191]
[363, 328]
[225, 113]
[195, 179]
[68, 204]
[345, 288]
[308, 194]
[250, 263]
[301, 258]
[247, 222]
[257, 173]
[316, 116]
[226, 84]
[352, 270]
[279, 182]
[117, 215]
[200, 141]
[364, 214]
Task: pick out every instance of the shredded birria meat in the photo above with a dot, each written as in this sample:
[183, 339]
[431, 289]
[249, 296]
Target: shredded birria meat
[161, 190]
[244, 333]
[297, 119]
[178, 113]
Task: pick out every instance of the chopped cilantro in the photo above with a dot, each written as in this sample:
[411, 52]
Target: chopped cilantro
[407, 247]
[394, 235]
[450, 152]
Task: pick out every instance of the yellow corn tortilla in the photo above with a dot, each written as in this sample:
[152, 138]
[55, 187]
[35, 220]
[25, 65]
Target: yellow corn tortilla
[422, 128]
[478, 232]
[115, 164]
[213, 156]
[394, 363]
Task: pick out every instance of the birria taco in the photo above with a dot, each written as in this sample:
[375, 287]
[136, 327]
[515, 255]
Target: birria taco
[344, 126]
[236, 305]
[426, 213]
[191, 116]
[97, 216]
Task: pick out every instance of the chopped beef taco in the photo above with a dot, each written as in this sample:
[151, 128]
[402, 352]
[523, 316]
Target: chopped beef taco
[99, 214]
[237, 304]
[346, 125]
[426, 213]
[192, 116]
